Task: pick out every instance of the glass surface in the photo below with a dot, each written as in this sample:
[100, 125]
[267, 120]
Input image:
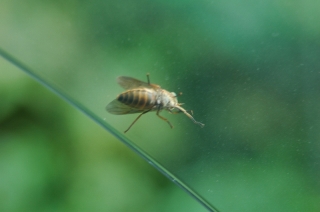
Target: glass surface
[249, 71]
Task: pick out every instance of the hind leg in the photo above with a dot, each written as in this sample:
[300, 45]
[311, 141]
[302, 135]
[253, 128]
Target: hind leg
[136, 120]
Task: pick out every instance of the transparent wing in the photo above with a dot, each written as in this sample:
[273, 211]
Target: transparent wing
[118, 108]
[130, 83]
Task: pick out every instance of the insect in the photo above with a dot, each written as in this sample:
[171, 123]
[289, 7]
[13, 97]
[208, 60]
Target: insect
[143, 97]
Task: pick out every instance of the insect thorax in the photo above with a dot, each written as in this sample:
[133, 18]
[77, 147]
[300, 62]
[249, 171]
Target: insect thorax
[167, 100]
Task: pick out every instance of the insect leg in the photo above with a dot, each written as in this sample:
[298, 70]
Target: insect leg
[136, 120]
[179, 111]
[163, 118]
[187, 114]
[148, 78]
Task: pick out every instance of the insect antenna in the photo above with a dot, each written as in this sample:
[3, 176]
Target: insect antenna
[187, 114]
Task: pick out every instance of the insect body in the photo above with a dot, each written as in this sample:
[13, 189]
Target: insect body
[142, 97]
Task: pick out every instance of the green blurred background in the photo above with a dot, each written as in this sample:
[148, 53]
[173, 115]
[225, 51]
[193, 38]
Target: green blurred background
[249, 70]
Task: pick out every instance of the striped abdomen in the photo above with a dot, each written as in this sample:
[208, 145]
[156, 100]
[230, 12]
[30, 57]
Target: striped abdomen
[138, 98]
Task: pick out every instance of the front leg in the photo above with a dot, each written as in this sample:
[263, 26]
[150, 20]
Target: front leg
[179, 111]
[163, 118]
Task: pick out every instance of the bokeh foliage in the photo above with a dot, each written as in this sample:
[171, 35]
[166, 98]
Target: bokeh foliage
[249, 70]
[53, 158]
